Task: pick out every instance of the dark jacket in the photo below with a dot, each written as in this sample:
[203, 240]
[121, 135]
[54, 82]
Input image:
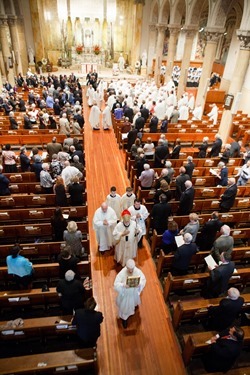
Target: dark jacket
[182, 257]
[161, 153]
[4, 185]
[228, 198]
[88, 325]
[160, 214]
[176, 152]
[186, 202]
[203, 150]
[75, 192]
[208, 234]
[73, 295]
[180, 184]
[153, 124]
[216, 147]
[139, 123]
[219, 278]
[223, 316]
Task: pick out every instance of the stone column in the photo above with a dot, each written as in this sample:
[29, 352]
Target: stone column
[6, 49]
[12, 21]
[159, 49]
[237, 81]
[151, 48]
[190, 33]
[209, 57]
[137, 25]
[174, 34]
[22, 54]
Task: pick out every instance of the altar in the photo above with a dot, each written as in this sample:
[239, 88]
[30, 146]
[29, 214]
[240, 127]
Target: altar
[88, 61]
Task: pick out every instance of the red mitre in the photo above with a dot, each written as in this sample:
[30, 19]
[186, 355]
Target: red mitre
[126, 212]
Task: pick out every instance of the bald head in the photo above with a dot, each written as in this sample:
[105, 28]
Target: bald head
[104, 207]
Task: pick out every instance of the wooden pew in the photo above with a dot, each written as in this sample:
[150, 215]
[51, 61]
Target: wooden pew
[32, 139]
[28, 201]
[238, 233]
[31, 187]
[195, 343]
[47, 272]
[48, 250]
[24, 215]
[198, 280]
[36, 327]
[70, 360]
[21, 232]
[239, 255]
[198, 308]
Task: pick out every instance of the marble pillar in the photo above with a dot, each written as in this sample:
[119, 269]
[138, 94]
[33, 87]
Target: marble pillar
[36, 12]
[6, 50]
[159, 49]
[22, 55]
[137, 26]
[16, 47]
[151, 47]
[190, 33]
[237, 81]
[173, 37]
[209, 57]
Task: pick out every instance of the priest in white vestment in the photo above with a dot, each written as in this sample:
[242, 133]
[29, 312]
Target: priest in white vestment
[106, 118]
[126, 237]
[94, 117]
[139, 214]
[197, 112]
[213, 114]
[128, 297]
[90, 95]
[113, 200]
[104, 221]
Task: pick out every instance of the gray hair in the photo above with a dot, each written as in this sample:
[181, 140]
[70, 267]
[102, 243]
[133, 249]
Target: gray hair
[187, 238]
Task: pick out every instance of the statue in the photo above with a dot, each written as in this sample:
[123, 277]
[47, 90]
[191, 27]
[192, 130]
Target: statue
[121, 62]
[31, 55]
[144, 57]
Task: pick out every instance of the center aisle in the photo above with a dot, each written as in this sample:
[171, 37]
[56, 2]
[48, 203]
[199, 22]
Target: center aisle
[148, 346]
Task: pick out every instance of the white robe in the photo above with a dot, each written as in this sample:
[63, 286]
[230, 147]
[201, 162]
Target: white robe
[94, 117]
[160, 110]
[106, 118]
[104, 232]
[127, 201]
[128, 298]
[90, 95]
[183, 112]
[141, 220]
[115, 203]
[197, 113]
[125, 250]
[213, 115]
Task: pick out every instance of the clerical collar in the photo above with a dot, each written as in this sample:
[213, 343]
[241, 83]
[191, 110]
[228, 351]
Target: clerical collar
[137, 209]
[112, 196]
[129, 195]
[126, 225]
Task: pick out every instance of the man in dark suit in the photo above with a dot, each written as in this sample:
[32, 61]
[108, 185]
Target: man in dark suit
[139, 122]
[225, 348]
[180, 183]
[209, 231]
[183, 255]
[128, 112]
[223, 316]
[229, 195]
[216, 146]
[160, 214]
[153, 124]
[217, 283]
[88, 322]
[144, 112]
[161, 154]
[186, 199]
[189, 166]
[132, 135]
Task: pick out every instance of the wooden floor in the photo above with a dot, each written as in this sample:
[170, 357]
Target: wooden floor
[148, 346]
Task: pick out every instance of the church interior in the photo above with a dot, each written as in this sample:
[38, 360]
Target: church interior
[161, 55]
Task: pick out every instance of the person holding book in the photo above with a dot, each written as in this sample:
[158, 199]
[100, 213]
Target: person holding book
[129, 284]
[183, 255]
[126, 236]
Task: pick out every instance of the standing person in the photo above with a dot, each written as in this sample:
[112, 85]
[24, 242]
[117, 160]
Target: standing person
[75, 189]
[128, 297]
[160, 214]
[73, 238]
[213, 114]
[20, 268]
[183, 255]
[147, 177]
[60, 192]
[4, 183]
[139, 214]
[67, 262]
[168, 244]
[217, 284]
[180, 182]
[244, 174]
[24, 160]
[224, 315]
[216, 146]
[186, 199]
[58, 224]
[223, 244]
[46, 180]
[94, 117]
[161, 154]
[88, 322]
[125, 235]
[176, 149]
[104, 221]
[223, 174]
[127, 199]
[53, 148]
[113, 200]
[225, 348]
[190, 167]
[71, 292]
[209, 231]
[203, 148]
[106, 118]
[192, 227]
[9, 160]
[229, 195]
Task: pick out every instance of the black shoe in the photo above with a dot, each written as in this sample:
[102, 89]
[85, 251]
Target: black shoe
[124, 323]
